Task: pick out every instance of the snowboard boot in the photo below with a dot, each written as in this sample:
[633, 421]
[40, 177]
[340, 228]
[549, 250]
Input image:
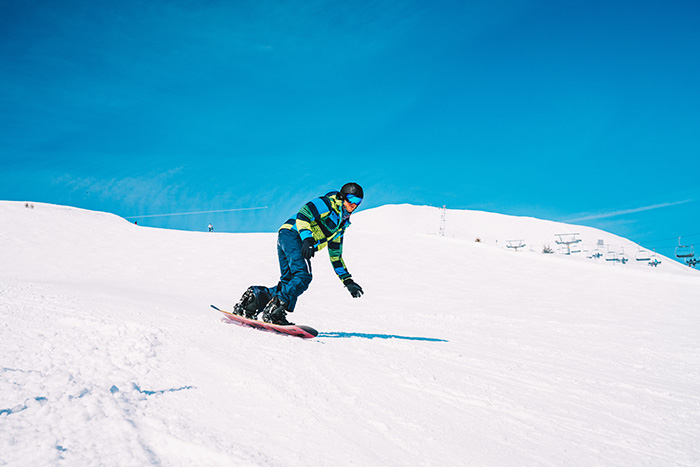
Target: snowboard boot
[248, 304]
[275, 312]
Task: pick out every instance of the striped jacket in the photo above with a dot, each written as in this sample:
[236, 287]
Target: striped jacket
[322, 218]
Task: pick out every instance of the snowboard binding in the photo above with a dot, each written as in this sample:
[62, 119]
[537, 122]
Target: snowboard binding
[275, 312]
[252, 302]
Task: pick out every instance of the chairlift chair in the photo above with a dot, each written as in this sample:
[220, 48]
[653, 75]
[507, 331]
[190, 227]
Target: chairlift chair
[623, 257]
[654, 261]
[598, 252]
[642, 255]
[684, 251]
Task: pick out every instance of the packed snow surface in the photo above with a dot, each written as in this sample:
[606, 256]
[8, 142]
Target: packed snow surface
[459, 353]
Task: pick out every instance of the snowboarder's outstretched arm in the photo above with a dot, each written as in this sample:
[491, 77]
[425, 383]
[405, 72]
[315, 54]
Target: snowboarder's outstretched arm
[335, 251]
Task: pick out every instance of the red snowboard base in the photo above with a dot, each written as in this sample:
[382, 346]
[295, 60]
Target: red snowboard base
[296, 330]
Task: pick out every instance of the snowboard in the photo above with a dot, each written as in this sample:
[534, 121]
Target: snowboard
[296, 330]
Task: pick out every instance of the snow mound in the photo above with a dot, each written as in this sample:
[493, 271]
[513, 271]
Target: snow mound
[514, 233]
[458, 353]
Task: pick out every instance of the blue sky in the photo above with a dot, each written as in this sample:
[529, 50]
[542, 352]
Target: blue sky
[583, 111]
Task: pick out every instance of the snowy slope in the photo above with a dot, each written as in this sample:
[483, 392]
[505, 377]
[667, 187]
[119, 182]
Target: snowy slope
[460, 353]
[506, 232]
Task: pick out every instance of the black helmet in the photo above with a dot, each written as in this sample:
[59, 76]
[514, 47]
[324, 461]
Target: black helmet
[352, 188]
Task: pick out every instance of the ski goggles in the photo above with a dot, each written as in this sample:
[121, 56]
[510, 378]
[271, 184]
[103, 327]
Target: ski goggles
[352, 199]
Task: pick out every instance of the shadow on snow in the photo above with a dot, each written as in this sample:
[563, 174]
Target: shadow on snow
[346, 335]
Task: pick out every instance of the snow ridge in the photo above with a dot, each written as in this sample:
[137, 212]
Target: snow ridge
[459, 353]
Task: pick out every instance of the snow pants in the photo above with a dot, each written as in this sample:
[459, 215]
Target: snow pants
[295, 271]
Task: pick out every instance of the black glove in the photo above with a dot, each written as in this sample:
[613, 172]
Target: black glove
[307, 248]
[354, 289]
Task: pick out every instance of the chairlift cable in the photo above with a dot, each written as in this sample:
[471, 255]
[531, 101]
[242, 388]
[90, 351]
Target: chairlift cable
[668, 238]
[194, 212]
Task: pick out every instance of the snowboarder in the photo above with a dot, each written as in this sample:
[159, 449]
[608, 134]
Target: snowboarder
[211, 228]
[319, 223]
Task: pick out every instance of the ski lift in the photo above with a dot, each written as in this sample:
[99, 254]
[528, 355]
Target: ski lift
[684, 251]
[642, 255]
[584, 250]
[515, 244]
[598, 252]
[654, 261]
[568, 239]
[611, 256]
[623, 257]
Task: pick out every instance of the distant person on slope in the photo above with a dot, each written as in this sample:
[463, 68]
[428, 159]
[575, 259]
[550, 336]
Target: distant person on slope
[320, 222]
